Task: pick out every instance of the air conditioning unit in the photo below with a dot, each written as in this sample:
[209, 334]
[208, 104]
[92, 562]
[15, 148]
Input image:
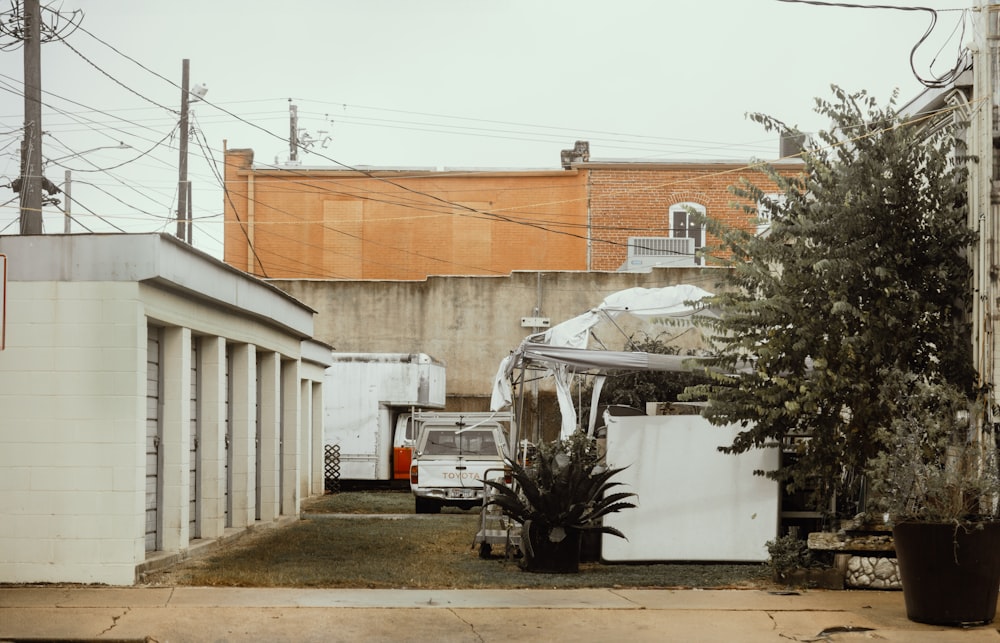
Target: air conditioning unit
[646, 253]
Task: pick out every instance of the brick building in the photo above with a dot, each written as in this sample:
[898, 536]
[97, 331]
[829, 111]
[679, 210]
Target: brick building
[307, 223]
[640, 211]
[298, 222]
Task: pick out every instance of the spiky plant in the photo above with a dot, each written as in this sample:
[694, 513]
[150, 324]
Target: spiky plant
[565, 488]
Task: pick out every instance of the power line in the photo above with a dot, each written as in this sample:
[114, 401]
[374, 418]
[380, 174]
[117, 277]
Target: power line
[123, 163]
[112, 78]
[934, 83]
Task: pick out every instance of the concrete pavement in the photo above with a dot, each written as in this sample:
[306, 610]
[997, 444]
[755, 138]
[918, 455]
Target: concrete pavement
[238, 614]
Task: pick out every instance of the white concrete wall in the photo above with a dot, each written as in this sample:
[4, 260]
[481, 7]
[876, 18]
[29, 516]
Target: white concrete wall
[72, 462]
[73, 415]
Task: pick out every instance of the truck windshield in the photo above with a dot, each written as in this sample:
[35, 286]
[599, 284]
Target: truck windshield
[446, 442]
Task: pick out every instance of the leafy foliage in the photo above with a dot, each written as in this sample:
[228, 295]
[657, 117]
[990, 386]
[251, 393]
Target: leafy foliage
[862, 273]
[932, 468]
[566, 487]
[787, 554]
[635, 388]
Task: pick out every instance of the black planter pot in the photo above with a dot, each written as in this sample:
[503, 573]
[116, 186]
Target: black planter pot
[950, 573]
[543, 556]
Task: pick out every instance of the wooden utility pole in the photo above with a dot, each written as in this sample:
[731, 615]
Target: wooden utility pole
[31, 146]
[985, 89]
[68, 201]
[984, 208]
[182, 183]
[293, 132]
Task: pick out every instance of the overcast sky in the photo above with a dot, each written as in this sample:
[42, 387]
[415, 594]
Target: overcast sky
[436, 83]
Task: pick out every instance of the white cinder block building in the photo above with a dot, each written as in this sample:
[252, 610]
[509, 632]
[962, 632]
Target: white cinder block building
[151, 398]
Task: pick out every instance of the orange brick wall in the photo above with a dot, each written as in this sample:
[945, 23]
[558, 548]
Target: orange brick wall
[305, 223]
[401, 225]
[632, 199]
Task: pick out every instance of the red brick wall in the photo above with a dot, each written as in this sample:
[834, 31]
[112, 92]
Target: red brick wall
[630, 200]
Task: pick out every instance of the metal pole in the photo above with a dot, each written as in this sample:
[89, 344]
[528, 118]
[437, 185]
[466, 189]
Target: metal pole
[68, 207]
[534, 383]
[31, 148]
[182, 189]
[190, 214]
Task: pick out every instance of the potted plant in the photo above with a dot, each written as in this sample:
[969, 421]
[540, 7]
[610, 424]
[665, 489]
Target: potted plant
[561, 494]
[936, 482]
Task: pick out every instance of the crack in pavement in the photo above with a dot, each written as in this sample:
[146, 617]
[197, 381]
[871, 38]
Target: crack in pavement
[472, 628]
[626, 599]
[114, 622]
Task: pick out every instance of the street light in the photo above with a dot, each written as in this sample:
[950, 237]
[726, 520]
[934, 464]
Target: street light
[68, 178]
[121, 146]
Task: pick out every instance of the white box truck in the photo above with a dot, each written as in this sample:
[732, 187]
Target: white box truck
[368, 399]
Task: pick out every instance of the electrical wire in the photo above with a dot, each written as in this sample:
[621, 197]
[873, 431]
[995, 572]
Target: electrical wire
[118, 165]
[450, 204]
[465, 210]
[934, 83]
[115, 80]
[867, 133]
[20, 92]
[459, 206]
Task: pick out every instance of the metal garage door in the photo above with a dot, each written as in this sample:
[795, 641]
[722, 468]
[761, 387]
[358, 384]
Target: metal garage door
[194, 517]
[152, 438]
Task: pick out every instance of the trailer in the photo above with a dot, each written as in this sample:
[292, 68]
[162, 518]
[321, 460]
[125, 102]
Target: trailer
[368, 401]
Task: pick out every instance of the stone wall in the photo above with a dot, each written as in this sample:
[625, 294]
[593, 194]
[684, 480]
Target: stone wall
[471, 323]
[867, 561]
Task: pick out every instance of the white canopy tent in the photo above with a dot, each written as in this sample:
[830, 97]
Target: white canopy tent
[565, 350]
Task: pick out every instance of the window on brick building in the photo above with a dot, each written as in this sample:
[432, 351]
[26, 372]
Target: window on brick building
[684, 224]
[765, 211]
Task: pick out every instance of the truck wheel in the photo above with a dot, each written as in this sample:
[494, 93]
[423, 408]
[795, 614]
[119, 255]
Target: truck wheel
[425, 506]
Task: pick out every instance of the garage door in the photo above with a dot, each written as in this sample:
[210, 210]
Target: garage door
[152, 438]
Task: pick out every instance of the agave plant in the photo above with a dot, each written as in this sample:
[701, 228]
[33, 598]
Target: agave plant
[561, 494]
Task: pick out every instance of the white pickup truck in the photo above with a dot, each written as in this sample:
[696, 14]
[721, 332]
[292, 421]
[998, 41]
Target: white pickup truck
[453, 454]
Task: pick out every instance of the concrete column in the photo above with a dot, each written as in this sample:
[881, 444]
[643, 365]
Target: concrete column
[175, 447]
[290, 437]
[305, 437]
[211, 473]
[243, 414]
[318, 452]
[270, 422]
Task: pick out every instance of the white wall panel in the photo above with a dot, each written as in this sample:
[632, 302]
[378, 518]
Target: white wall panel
[695, 503]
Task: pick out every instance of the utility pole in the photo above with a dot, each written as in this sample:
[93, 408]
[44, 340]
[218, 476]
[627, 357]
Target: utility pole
[182, 182]
[984, 208]
[31, 146]
[986, 91]
[293, 132]
[67, 208]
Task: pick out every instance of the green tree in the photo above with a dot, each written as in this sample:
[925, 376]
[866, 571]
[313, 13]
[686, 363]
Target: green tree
[636, 388]
[863, 273]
